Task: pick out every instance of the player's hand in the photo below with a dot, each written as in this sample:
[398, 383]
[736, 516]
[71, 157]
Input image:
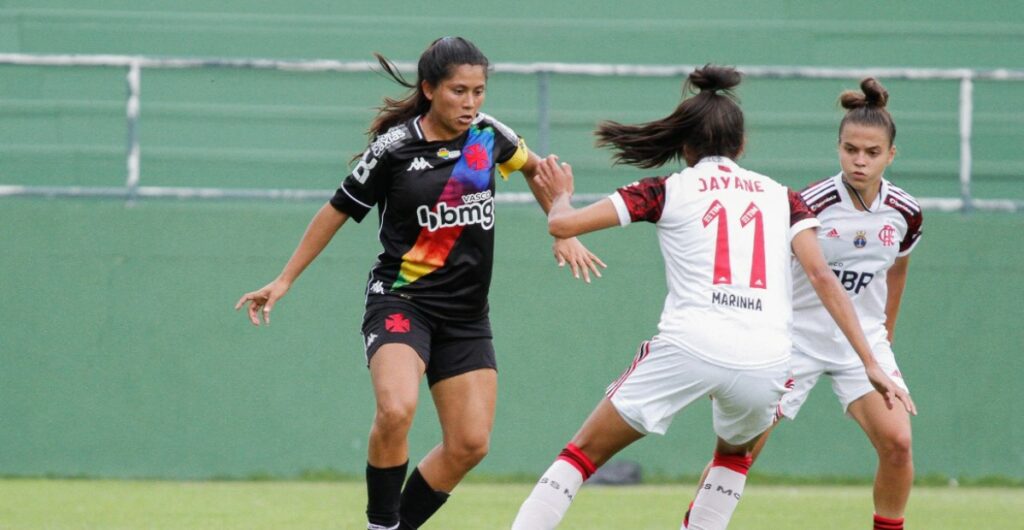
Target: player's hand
[890, 392]
[579, 258]
[554, 178]
[263, 299]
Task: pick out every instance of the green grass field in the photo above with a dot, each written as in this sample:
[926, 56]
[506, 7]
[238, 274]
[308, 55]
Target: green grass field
[87, 504]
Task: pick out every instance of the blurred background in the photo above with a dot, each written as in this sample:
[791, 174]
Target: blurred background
[121, 356]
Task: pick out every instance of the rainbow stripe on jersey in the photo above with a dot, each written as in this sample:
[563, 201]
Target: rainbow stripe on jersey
[472, 174]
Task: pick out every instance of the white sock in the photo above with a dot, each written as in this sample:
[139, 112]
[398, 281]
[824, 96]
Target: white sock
[550, 498]
[717, 499]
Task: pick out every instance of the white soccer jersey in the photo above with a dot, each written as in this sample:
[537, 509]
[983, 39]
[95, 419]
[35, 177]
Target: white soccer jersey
[725, 236]
[859, 246]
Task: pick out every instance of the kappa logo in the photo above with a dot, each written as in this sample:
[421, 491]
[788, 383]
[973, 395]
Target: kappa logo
[370, 339]
[377, 287]
[419, 164]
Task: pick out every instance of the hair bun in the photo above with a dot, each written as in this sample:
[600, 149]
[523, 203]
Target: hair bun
[713, 78]
[872, 94]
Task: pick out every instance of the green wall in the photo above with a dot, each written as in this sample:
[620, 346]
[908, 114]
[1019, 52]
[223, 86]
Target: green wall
[122, 356]
[119, 352]
[232, 128]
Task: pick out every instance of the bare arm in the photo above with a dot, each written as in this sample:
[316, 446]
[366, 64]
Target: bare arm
[836, 301]
[529, 171]
[318, 234]
[896, 282]
[563, 220]
[567, 249]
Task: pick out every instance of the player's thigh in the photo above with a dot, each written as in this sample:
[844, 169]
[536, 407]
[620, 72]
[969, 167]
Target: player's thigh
[465, 405]
[886, 428]
[395, 371]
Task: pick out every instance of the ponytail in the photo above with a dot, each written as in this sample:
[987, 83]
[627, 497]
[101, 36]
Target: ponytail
[710, 124]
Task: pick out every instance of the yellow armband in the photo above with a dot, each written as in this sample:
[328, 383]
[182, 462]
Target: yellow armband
[516, 161]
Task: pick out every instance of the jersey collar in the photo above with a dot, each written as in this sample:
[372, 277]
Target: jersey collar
[415, 126]
[719, 160]
[844, 193]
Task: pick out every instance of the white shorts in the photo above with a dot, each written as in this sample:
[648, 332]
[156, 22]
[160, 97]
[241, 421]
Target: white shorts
[849, 382]
[663, 380]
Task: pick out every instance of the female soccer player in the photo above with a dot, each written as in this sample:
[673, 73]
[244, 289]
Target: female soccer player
[726, 235]
[430, 171]
[869, 228]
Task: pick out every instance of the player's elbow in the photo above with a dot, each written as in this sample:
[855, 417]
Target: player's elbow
[819, 276]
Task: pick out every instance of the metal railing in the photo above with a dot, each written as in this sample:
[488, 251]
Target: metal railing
[134, 65]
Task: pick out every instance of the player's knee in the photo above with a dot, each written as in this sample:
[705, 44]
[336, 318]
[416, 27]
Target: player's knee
[394, 416]
[469, 450]
[896, 450]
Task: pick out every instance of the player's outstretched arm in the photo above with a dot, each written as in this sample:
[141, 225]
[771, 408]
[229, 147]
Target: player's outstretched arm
[836, 301]
[567, 250]
[318, 234]
[563, 220]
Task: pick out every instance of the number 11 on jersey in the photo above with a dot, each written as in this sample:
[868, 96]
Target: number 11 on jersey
[723, 267]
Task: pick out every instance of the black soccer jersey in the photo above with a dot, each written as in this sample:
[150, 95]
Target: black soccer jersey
[435, 204]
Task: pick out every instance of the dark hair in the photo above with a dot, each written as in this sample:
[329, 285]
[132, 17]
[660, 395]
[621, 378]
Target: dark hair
[709, 124]
[435, 65]
[867, 107]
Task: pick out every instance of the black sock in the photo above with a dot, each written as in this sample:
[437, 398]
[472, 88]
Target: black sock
[384, 493]
[419, 501]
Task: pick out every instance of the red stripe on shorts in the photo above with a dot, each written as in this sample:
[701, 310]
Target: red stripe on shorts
[641, 354]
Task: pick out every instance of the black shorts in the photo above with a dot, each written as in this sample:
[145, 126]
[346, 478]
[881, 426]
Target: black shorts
[447, 347]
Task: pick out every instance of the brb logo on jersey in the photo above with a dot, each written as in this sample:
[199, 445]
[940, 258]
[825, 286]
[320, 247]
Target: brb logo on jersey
[887, 235]
[477, 208]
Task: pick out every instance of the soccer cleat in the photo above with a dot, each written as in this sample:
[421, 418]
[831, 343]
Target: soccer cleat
[381, 527]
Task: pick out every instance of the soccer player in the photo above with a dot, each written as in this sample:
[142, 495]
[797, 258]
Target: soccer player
[429, 169]
[869, 228]
[727, 235]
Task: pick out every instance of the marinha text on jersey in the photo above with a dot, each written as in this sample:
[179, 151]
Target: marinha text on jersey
[732, 300]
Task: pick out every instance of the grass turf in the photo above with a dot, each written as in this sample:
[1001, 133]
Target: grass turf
[99, 504]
